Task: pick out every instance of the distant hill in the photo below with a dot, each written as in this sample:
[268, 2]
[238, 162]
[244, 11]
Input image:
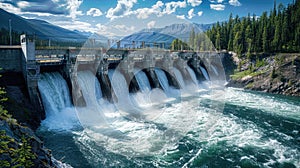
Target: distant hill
[149, 38]
[162, 36]
[41, 29]
[96, 36]
[181, 31]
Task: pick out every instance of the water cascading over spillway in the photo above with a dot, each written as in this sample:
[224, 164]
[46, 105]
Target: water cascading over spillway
[90, 87]
[163, 81]
[187, 87]
[98, 89]
[204, 72]
[193, 75]
[95, 112]
[56, 99]
[179, 77]
[142, 97]
[142, 80]
[121, 90]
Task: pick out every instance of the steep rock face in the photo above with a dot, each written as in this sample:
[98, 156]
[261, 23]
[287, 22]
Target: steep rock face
[228, 65]
[18, 103]
[20, 139]
[181, 31]
[280, 74]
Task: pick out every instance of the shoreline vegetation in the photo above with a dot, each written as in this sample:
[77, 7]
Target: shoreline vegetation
[278, 73]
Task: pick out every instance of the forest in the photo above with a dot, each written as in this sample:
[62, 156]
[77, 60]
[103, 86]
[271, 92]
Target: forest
[273, 32]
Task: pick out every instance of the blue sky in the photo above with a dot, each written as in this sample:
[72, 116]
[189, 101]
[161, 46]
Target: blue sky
[121, 17]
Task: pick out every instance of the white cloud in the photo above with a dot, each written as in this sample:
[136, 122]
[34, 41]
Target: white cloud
[218, 7]
[172, 6]
[37, 14]
[234, 3]
[124, 28]
[30, 7]
[200, 13]
[101, 27]
[158, 4]
[159, 9]
[143, 13]
[194, 2]
[151, 24]
[180, 16]
[23, 4]
[191, 13]
[103, 30]
[10, 8]
[94, 12]
[28, 14]
[72, 6]
[123, 8]
[75, 25]
[216, 1]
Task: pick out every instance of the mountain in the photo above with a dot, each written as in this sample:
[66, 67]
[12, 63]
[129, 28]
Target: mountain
[162, 36]
[149, 38]
[40, 28]
[96, 36]
[181, 31]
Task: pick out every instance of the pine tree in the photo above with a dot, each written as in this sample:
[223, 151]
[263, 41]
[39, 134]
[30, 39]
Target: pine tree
[192, 39]
[265, 40]
[218, 41]
[277, 35]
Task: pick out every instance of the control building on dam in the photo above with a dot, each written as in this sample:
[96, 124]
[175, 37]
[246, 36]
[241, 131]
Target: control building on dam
[33, 61]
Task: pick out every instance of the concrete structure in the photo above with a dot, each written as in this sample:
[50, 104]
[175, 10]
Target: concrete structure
[68, 61]
[10, 58]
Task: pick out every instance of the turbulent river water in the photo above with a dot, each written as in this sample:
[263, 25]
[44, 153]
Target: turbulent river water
[207, 128]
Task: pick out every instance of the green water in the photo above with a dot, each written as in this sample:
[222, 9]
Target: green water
[236, 129]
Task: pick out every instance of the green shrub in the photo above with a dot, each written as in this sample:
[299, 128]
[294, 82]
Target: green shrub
[4, 148]
[290, 83]
[250, 85]
[273, 74]
[23, 155]
[260, 63]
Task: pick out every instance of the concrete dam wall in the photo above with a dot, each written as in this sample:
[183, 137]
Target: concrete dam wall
[163, 69]
[11, 58]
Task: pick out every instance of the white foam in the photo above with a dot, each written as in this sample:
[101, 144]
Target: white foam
[60, 115]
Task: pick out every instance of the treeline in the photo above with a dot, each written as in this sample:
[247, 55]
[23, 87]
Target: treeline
[5, 37]
[278, 31]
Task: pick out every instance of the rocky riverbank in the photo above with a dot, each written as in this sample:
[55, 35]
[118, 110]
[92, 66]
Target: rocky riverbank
[18, 103]
[278, 73]
[19, 146]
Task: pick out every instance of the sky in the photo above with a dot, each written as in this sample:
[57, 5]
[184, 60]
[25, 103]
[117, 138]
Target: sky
[121, 17]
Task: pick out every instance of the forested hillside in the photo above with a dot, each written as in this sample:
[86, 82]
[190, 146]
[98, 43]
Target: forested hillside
[267, 49]
[276, 31]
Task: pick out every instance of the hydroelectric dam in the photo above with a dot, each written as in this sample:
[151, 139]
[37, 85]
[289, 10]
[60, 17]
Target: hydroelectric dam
[150, 107]
[163, 68]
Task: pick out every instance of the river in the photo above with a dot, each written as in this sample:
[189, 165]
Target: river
[223, 128]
